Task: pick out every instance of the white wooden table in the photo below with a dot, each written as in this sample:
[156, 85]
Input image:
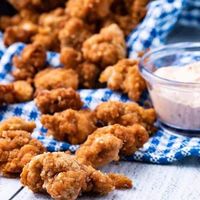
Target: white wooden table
[179, 181]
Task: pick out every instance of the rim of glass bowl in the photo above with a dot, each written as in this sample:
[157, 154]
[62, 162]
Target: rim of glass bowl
[181, 47]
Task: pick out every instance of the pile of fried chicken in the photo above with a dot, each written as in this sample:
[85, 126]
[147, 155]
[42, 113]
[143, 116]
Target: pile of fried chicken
[90, 36]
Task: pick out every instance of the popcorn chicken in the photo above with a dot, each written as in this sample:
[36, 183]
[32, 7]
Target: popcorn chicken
[47, 38]
[63, 177]
[124, 76]
[17, 123]
[105, 48]
[70, 57]
[70, 125]
[58, 100]
[32, 60]
[106, 144]
[16, 149]
[126, 114]
[88, 9]
[19, 33]
[74, 33]
[52, 78]
[18, 91]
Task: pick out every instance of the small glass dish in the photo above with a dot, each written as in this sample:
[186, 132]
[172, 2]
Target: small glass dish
[177, 104]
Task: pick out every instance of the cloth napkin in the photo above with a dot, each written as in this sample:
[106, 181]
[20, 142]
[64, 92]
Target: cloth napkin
[162, 148]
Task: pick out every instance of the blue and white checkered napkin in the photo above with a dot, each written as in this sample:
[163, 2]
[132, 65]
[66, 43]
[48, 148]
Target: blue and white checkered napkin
[162, 147]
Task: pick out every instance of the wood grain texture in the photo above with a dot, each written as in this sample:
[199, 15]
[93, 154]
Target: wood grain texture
[179, 181]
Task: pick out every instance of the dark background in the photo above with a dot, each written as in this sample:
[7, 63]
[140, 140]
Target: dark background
[6, 8]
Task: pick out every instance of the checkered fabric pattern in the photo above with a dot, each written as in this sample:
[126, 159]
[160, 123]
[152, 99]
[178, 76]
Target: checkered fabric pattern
[162, 148]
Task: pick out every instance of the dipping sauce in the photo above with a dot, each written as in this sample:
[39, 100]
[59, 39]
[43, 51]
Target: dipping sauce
[178, 106]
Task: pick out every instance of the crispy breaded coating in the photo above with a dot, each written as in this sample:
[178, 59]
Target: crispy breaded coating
[17, 123]
[38, 5]
[54, 20]
[88, 75]
[70, 125]
[105, 48]
[74, 33]
[58, 100]
[89, 10]
[126, 114]
[18, 91]
[52, 78]
[31, 60]
[47, 38]
[63, 177]
[16, 150]
[6, 21]
[120, 181]
[19, 33]
[70, 57]
[124, 76]
[100, 148]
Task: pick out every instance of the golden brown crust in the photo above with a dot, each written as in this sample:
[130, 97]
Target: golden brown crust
[126, 114]
[74, 33]
[89, 10]
[18, 91]
[63, 177]
[58, 100]
[32, 59]
[52, 78]
[105, 48]
[70, 125]
[70, 57]
[124, 76]
[19, 33]
[121, 181]
[105, 148]
[17, 123]
[17, 148]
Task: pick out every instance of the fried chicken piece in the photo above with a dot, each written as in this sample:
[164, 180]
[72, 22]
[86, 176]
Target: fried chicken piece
[106, 144]
[47, 38]
[89, 10]
[120, 181]
[18, 91]
[63, 177]
[6, 21]
[52, 78]
[70, 57]
[99, 150]
[74, 33]
[58, 100]
[105, 48]
[16, 149]
[38, 5]
[126, 114]
[17, 123]
[124, 76]
[19, 33]
[31, 60]
[70, 125]
[88, 75]
[71, 37]
[55, 19]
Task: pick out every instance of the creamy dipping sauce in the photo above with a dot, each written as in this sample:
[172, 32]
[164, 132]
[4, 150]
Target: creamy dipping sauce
[178, 106]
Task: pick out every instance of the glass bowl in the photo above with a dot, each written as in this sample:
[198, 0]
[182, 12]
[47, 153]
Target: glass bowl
[177, 104]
